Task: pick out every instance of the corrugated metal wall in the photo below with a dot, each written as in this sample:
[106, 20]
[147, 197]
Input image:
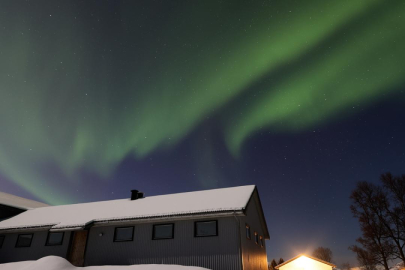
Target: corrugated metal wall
[218, 253]
[254, 256]
[37, 250]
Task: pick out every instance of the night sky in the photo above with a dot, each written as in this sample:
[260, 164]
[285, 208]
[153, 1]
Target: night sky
[301, 98]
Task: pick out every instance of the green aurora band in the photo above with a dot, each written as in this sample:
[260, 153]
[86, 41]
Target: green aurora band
[77, 93]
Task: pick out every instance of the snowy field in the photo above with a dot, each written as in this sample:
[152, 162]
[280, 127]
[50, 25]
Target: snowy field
[398, 266]
[58, 263]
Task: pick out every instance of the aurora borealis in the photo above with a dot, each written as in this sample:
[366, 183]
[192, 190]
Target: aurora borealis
[199, 94]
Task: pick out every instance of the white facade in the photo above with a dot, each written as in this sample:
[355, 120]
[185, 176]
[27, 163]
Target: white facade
[304, 262]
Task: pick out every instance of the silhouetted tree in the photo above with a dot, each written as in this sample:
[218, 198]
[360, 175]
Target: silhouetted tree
[280, 261]
[346, 266]
[374, 252]
[364, 258]
[380, 224]
[273, 265]
[323, 253]
[389, 205]
[395, 188]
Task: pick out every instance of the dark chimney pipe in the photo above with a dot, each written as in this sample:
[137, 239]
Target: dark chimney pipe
[135, 194]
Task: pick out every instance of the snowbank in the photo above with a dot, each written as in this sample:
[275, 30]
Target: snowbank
[397, 266]
[58, 263]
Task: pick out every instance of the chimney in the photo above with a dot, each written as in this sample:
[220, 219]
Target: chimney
[135, 194]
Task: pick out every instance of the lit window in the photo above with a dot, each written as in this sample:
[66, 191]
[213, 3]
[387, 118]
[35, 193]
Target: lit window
[24, 240]
[248, 236]
[123, 234]
[206, 228]
[1, 240]
[163, 231]
[54, 239]
[256, 238]
[261, 241]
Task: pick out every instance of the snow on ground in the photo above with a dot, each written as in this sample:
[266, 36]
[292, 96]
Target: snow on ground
[58, 263]
[397, 266]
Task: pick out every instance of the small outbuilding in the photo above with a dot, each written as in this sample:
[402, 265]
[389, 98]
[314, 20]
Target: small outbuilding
[305, 262]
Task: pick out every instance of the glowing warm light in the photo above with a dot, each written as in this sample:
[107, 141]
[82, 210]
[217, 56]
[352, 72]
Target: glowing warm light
[303, 262]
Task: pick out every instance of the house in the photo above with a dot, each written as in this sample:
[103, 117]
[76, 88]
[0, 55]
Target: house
[11, 205]
[217, 229]
[305, 262]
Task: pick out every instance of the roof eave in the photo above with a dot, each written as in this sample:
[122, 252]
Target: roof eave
[313, 258]
[25, 229]
[109, 222]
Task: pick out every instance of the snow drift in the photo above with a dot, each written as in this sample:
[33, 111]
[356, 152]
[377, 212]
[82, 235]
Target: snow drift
[58, 263]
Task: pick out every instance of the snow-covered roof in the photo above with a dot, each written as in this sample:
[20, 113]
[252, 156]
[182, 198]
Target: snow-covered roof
[76, 216]
[18, 202]
[306, 257]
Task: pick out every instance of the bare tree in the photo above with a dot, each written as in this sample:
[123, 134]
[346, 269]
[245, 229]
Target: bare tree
[364, 257]
[375, 241]
[346, 266]
[323, 253]
[387, 204]
[395, 187]
[273, 265]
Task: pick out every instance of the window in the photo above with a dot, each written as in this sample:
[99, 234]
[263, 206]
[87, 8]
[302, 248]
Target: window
[24, 240]
[248, 236]
[54, 239]
[163, 231]
[123, 234]
[256, 238]
[1, 240]
[261, 241]
[205, 228]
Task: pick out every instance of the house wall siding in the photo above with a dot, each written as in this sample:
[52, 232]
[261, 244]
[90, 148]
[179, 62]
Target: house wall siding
[37, 250]
[254, 256]
[218, 252]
